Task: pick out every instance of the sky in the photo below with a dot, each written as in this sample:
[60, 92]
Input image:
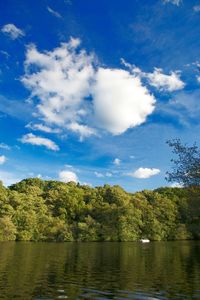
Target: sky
[90, 91]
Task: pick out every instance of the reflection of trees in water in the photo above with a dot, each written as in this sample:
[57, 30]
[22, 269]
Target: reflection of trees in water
[43, 268]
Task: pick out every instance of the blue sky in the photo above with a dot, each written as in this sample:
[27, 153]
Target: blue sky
[91, 90]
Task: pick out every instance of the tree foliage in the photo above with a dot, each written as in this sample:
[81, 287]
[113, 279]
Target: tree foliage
[38, 210]
[186, 167]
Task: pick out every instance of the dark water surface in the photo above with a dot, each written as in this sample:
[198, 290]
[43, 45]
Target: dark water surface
[158, 270]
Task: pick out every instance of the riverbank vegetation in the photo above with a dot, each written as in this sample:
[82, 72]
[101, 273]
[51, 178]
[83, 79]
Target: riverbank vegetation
[38, 210]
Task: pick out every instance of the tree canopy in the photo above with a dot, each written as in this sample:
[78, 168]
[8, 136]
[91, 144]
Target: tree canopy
[38, 210]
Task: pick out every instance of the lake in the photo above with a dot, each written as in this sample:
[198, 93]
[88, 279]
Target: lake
[158, 270]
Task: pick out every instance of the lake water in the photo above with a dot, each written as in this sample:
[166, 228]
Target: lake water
[158, 270]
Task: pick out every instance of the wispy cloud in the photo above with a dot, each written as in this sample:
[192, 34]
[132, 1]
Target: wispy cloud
[109, 174]
[42, 127]
[12, 31]
[161, 81]
[4, 146]
[158, 79]
[196, 8]
[98, 175]
[5, 53]
[175, 2]
[39, 141]
[84, 131]
[53, 12]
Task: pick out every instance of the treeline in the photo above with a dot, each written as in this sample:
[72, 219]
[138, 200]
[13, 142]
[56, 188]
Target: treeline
[37, 210]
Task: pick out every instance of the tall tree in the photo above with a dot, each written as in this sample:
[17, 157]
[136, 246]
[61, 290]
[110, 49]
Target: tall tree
[186, 167]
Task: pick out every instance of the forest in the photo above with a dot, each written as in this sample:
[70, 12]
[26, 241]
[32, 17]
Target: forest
[38, 210]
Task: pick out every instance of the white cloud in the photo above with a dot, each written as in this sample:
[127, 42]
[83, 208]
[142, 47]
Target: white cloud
[42, 127]
[120, 100]
[143, 173]
[61, 82]
[165, 82]
[67, 176]
[83, 130]
[4, 146]
[117, 161]
[53, 12]
[69, 85]
[198, 79]
[99, 175]
[108, 174]
[8, 178]
[2, 159]
[86, 183]
[196, 8]
[12, 31]
[175, 2]
[39, 141]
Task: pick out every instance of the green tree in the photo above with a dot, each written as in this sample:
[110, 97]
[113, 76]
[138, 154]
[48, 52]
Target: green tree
[186, 168]
[38, 210]
[7, 229]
